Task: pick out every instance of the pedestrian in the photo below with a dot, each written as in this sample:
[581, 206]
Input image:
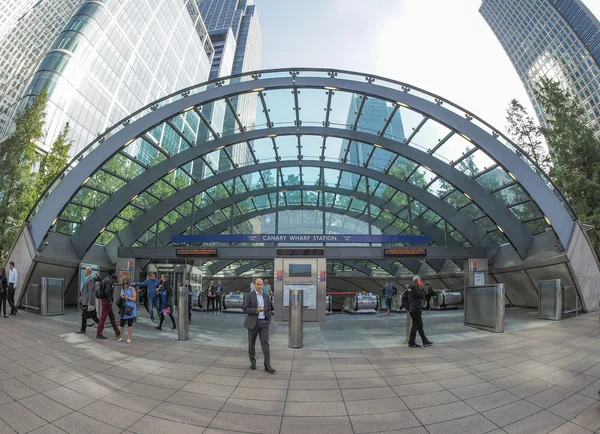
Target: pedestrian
[88, 301]
[106, 297]
[267, 288]
[428, 294]
[165, 296]
[218, 294]
[151, 283]
[416, 295]
[190, 294]
[13, 277]
[258, 316]
[3, 291]
[128, 310]
[210, 296]
[390, 291]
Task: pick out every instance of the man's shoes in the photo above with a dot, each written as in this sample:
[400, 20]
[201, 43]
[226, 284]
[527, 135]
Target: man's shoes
[118, 335]
[81, 332]
[158, 328]
[414, 346]
[269, 369]
[174, 327]
[100, 337]
[427, 344]
[253, 365]
[5, 316]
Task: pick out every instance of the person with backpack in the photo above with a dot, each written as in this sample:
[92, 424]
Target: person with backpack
[105, 294]
[415, 296]
[165, 297]
[389, 292]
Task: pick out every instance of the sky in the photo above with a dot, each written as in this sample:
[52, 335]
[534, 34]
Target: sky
[443, 46]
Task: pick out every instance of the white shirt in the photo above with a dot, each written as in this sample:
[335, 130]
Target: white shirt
[13, 276]
[261, 303]
[252, 287]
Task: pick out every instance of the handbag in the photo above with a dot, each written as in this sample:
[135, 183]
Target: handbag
[90, 312]
[166, 311]
[127, 310]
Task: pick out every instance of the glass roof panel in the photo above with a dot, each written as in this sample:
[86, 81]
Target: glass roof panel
[381, 159]
[311, 176]
[527, 211]
[429, 135]
[410, 120]
[287, 147]
[494, 178]
[263, 149]
[281, 106]
[311, 198]
[457, 199]
[422, 177]
[472, 211]
[333, 147]
[453, 148]
[89, 197]
[402, 168]
[312, 147]
[358, 205]
[312, 103]
[537, 226]
[512, 194]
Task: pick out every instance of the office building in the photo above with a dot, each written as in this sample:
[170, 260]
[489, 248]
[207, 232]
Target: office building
[557, 39]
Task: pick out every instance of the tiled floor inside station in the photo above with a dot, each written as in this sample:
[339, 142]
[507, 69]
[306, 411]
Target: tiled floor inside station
[354, 375]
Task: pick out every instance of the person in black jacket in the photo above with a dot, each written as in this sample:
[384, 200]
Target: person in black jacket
[165, 297]
[416, 295]
[3, 291]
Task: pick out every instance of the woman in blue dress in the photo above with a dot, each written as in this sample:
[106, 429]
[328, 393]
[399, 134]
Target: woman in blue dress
[129, 310]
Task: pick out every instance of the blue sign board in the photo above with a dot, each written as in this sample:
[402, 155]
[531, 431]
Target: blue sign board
[300, 238]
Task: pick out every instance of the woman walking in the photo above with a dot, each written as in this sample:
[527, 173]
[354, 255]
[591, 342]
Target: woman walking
[165, 295]
[128, 309]
[210, 296]
[3, 291]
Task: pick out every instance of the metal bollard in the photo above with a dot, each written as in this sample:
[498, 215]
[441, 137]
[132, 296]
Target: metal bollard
[182, 314]
[408, 326]
[296, 301]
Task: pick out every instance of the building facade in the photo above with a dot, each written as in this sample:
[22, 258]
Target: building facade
[112, 58]
[556, 39]
[27, 28]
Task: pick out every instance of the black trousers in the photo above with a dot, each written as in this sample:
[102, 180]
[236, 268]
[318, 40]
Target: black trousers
[162, 318]
[11, 298]
[84, 317]
[261, 329]
[3, 296]
[209, 301]
[189, 307]
[417, 325]
[218, 301]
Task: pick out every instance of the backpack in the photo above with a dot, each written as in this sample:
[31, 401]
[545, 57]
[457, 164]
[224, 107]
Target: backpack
[404, 304]
[98, 289]
[105, 289]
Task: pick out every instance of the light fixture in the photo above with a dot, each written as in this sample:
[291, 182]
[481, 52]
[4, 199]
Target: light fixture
[468, 197]
[217, 211]
[272, 135]
[547, 221]
[258, 89]
[54, 221]
[425, 167]
[330, 88]
[466, 137]
[500, 229]
[220, 147]
[402, 104]
[187, 109]
[512, 176]
[172, 170]
[86, 180]
[377, 146]
[134, 197]
[103, 229]
[130, 142]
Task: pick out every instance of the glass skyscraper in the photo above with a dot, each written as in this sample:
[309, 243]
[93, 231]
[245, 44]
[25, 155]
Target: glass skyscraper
[113, 57]
[234, 29]
[372, 116]
[557, 39]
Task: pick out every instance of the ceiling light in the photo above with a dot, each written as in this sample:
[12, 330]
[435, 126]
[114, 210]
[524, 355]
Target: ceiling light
[103, 229]
[330, 88]
[272, 135]
[467, 196]
[130, 142]
[402, 104]
[134, 197]
[187, 109]
[86, 180]
[54, 221]
[466, 137]
[547, 220]
[258, 89]
[512, 176]
[425, 167]
[172, 170]
[377, 146]
[220, 147]
[500, 229]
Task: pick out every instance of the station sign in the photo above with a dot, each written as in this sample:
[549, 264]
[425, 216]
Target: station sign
[301, 238]
[317, 253]
[197, 252]
[405, 252]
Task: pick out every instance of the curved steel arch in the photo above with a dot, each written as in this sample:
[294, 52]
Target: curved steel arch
[531, 182]
[183, 223]
[515, 231]
[130, 233]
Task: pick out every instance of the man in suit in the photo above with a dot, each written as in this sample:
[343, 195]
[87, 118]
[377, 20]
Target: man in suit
[258, 316]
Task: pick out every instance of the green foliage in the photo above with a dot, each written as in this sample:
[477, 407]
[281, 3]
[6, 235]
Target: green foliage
[576, 150]
[525, 132]
[19, 189]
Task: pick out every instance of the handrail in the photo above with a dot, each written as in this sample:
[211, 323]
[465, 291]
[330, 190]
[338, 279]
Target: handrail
[332, 73]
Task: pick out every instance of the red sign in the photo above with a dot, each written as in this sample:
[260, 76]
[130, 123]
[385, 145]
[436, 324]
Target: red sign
[322, 276]
[279, 275]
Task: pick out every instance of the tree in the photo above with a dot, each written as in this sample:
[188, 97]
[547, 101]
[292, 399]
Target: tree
[576, 150]
[53, 163]
[525, 132]
[17, 158]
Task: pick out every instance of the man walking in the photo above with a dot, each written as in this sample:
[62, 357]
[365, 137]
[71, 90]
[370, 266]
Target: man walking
[106, 297]
[416, 295]
[13, 277]
[151, 283]
[88, 301]
[190, 294]
[219, 293]
[389, 292]
[258, 316]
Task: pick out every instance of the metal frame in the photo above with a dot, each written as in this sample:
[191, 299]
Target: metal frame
[532, 183]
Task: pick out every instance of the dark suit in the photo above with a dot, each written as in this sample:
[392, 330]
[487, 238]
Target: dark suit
[257, 327]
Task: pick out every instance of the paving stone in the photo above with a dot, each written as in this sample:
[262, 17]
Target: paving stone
[428, 399]
[69, 398]
[475, 390]
[570, 428]
[247, 423]
[369, 423]
[572, 406]
[135, 403]
[197, 400]
[20, 418]
[259, 394]
[441, 413]
[374, 406]
[539, 423]
[368, 393]
[120, 417]
[249, 406]
[184, 414]
[531, 388]
[492, 400]
[45, 407]
[150, 424]
[589, 418]
[474, 424]
[316, 425]
[314, 395]
[511, 413]
[315, 409]
[549, 397]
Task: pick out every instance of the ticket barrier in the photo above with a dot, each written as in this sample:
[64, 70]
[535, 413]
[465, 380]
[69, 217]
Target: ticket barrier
[233, 302]
[361, 303]
[446, 299]
[329, 305]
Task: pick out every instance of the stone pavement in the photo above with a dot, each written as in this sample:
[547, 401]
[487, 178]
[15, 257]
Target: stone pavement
[530, 380]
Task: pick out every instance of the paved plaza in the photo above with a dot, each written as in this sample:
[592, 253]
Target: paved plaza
[537, 377]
